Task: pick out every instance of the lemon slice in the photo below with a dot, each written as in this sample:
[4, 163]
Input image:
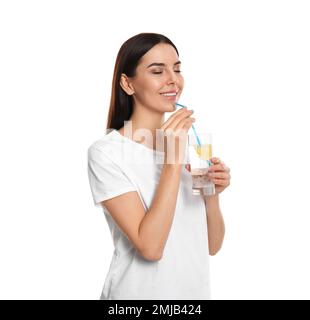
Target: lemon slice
[204, 151]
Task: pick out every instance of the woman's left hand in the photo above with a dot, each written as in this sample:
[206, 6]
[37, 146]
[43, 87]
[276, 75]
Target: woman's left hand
[219, 174]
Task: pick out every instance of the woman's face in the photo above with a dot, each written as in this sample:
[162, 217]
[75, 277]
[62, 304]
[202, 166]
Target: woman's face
[158, 72]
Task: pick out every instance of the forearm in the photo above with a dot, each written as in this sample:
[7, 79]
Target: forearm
[155, 226]
[215, 222]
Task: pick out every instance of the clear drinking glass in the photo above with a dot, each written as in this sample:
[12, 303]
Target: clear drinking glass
[199, 154]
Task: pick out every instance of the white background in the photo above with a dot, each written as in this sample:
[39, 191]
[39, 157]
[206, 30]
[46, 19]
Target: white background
[247, 76]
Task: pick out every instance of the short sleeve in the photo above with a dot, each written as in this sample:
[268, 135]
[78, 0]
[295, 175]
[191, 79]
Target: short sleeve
[107, 180]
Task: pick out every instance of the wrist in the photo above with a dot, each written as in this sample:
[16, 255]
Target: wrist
[212, 199]
[173, 166]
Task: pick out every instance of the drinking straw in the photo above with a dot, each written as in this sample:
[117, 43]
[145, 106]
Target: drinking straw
[197, 138]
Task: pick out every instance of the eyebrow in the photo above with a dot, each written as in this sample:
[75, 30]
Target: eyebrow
[161, 64]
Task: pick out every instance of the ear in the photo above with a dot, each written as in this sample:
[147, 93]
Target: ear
[126, 85]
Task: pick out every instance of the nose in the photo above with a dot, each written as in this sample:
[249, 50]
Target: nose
[172, 77]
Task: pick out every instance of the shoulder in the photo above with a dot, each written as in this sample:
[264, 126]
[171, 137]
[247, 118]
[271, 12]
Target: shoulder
[106, 145]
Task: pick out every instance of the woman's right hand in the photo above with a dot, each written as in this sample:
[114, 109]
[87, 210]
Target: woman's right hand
[175, 131]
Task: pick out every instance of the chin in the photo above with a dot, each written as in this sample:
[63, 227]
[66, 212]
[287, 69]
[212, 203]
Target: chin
[169, 107]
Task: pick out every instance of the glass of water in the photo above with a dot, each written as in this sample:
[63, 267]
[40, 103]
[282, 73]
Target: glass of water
[199, 154]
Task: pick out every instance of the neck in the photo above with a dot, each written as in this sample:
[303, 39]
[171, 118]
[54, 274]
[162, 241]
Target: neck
[142, 125]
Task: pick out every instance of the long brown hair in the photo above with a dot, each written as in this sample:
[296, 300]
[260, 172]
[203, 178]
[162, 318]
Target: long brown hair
[128, 57]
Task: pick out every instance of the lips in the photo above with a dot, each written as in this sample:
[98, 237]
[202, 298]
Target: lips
[171, 97]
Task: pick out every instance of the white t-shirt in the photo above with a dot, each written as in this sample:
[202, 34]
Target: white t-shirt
[116, 165]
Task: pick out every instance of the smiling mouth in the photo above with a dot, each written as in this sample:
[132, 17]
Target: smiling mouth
[172, 94]
[169, 96]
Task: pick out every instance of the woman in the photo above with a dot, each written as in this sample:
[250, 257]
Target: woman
[162, 233]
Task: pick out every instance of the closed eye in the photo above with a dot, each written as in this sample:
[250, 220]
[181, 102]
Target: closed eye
[178, 71]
